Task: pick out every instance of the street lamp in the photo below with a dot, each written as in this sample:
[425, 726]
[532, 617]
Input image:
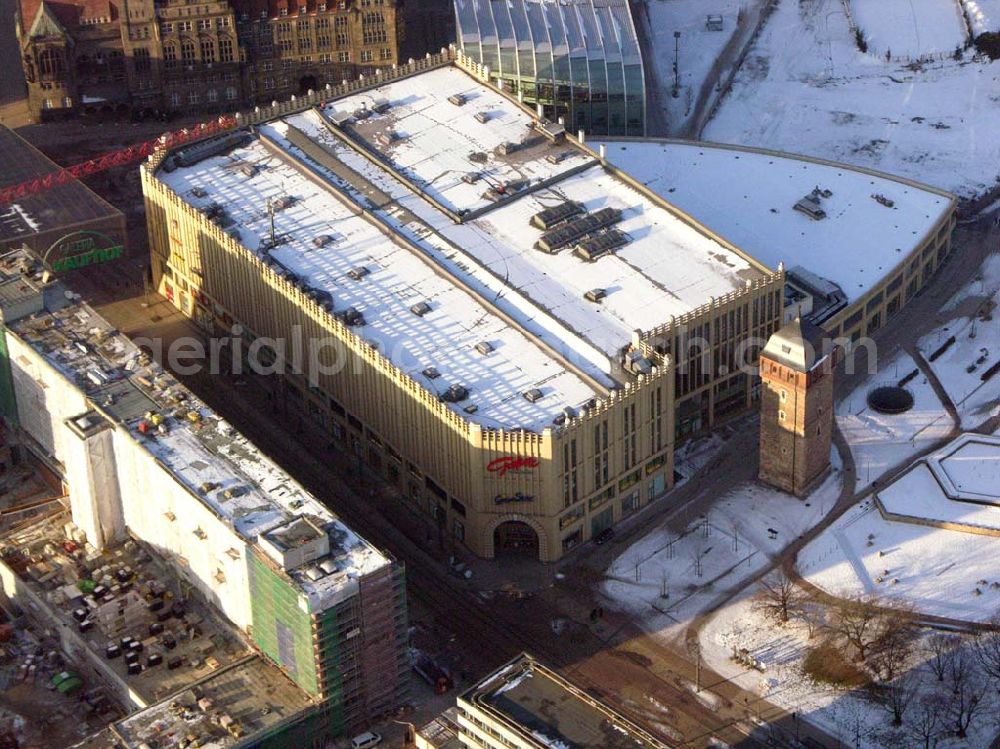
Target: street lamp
[677, 42]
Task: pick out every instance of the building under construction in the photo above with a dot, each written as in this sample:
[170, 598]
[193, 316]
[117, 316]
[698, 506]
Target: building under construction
[152, 472]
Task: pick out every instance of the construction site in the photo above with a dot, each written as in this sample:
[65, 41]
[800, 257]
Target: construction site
[176, 556]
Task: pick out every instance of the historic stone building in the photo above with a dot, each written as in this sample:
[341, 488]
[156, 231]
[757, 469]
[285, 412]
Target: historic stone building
[796, 407]
[174, 55]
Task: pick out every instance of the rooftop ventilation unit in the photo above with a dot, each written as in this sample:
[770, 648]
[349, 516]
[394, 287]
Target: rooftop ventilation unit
[362, 113]
[356, 274]
[507, 148]
[482, 117]
[595, 295]
[558, 158]
[248, 171]
[455, 393]
[322, 240]
[811, 205]
[457, 99]
[554, 240]
[555, 132]
[478, 157]
[598, 246]
[388, 138]
[470, 178]
[551, 216]
[484, 347]
[883, 200]
[202, 150]
[321, 296]
[532, 396]
[471, 408]
[636, 363]
[285, 201]
[340, 118]
[431, 373]
[212, 210]
[420, 309]
[353, 317]
[381, 106]
[199, 192]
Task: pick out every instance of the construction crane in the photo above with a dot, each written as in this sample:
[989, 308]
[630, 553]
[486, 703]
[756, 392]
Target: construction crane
[115, 158]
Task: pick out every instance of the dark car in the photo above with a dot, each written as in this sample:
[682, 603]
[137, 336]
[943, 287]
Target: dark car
[604, 536]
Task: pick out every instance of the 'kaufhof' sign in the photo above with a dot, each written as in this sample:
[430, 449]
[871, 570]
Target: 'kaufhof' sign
[82, 248]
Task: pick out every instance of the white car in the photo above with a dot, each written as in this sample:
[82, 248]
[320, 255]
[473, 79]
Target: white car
[366, 740]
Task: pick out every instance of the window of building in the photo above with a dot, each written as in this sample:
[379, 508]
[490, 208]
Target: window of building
[50, 63]
[366, 55]
[222, 23]
[373, 36]
[187, 52]
[212, 95]
[341, 38]
[283, 12]
[343, 57]
[166, 28]
[193, 97]
[323, 41]
[781, 415]
[321, 7]
[784, 395]
[169, 56]
[184, 26]
[175, 99]
[268, 84]
[204, 24]
[230, 93]
[459, 530]
[305, 44]
[141, 59]
[207, 50]
[386, 53]
[286, 45]
[225, 50]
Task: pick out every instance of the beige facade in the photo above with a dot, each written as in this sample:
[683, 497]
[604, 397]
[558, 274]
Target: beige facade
[548, 490]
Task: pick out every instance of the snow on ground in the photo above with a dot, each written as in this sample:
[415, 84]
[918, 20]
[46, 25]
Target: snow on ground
[934, 570]
[806, 88]
[732, 542]
[984, 15]
[910, 28]
[976, 348]
[695, 454]
[878, 442]
[697, 47]
[779, 652]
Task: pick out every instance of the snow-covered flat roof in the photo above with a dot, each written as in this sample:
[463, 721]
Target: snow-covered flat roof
[435, 137]
[445, 337]
[666, 267]
[202, 451]
[748, 197]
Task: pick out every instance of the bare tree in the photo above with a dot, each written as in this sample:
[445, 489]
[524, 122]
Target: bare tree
[778, 597]
[899, 693]
[958, 667]
[967, 698]
[986, 646]
[696, 557]
[939, 649]
[925, 722]
[857, 621]
[892, 644]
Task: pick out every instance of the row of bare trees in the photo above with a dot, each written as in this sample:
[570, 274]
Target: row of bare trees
[930, 688]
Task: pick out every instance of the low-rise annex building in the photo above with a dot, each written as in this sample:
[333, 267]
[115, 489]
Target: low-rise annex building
[526, 705]
[146, 462]
[496, 305]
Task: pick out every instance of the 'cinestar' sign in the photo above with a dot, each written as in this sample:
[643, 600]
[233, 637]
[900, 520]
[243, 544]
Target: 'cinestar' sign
[82, 248]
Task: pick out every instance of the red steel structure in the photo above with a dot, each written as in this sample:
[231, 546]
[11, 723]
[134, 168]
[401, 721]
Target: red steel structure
[115, 158]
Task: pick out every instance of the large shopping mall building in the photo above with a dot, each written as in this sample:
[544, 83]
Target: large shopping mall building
[475, 303]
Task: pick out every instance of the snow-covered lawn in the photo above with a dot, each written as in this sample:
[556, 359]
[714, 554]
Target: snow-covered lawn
[976, 347]
[806, 88]
[732, 543]
[936, 571]
[697, 47]
[779, 653]
[984, 15]
[910, 28]
[879, 442]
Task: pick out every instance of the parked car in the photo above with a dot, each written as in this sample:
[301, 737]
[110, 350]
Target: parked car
[604, 536]
[366, 740]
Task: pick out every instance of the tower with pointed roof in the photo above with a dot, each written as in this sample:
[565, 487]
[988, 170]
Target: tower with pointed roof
[796, 407]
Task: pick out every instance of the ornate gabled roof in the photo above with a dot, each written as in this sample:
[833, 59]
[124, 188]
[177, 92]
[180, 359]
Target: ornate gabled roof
[45, 23]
